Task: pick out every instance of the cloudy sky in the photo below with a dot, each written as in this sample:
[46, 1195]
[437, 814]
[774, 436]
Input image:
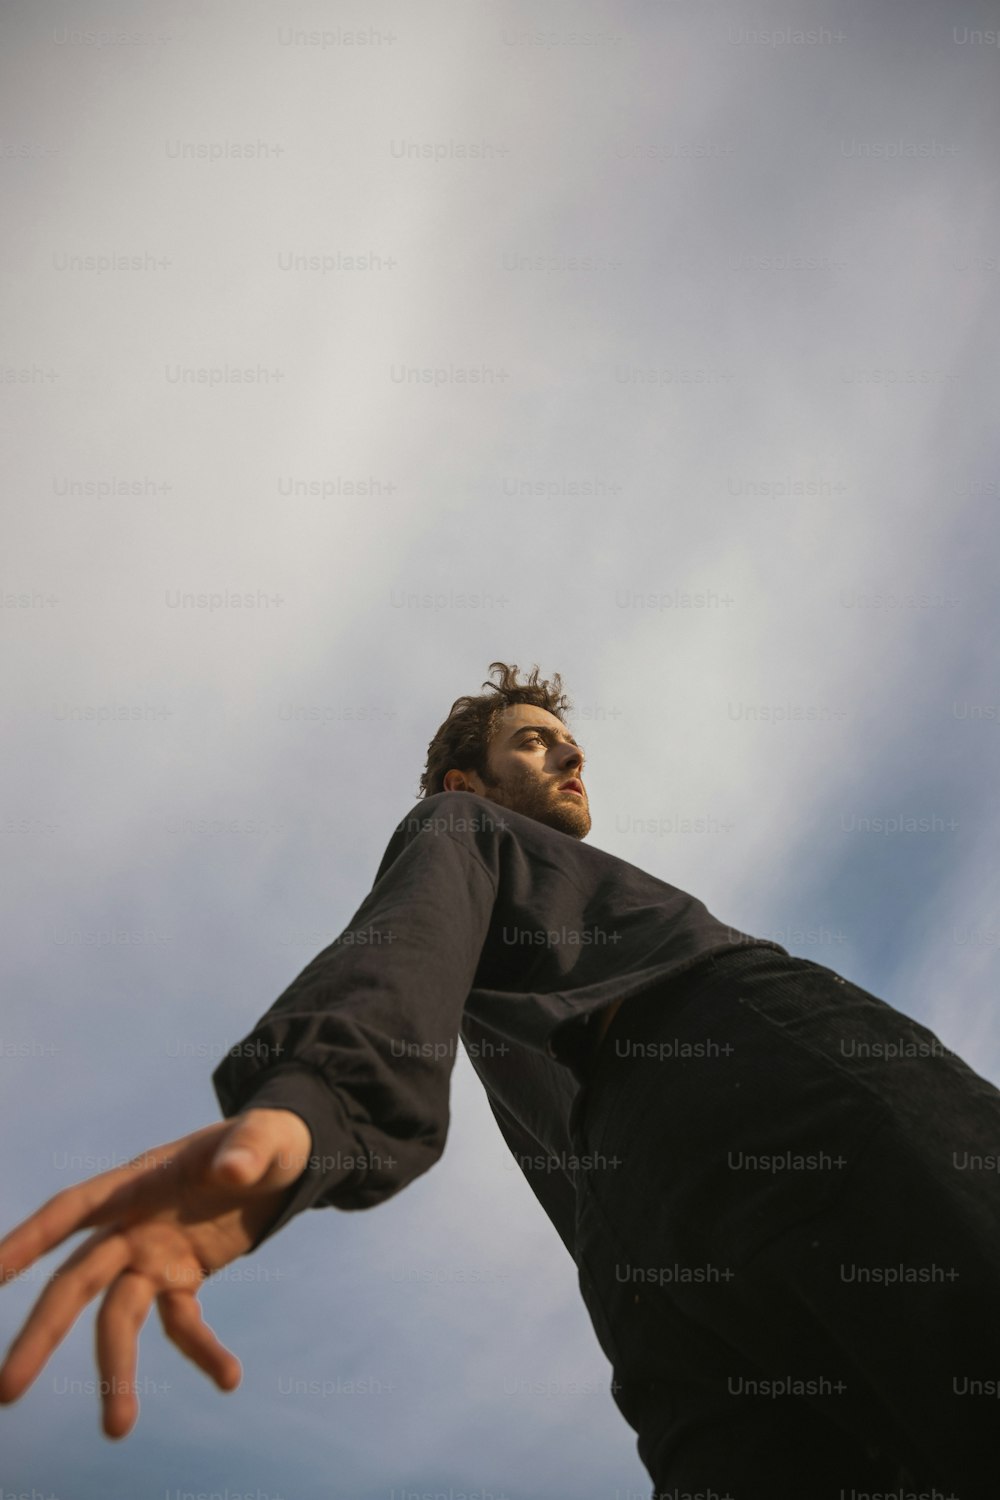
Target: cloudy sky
[347, 349]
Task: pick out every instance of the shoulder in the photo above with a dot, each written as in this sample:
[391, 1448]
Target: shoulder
[455, 813]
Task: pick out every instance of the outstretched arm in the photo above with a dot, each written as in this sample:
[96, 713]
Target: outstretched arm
[340, 1094]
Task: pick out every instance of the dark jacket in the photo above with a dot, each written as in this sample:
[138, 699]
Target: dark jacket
[482, 924]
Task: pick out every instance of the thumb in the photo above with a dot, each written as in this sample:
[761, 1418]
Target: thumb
[243, 1156]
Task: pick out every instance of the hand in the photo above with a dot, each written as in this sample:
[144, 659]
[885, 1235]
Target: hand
[168, 1219]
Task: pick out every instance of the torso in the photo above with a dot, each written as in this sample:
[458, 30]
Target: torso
[604, 1021]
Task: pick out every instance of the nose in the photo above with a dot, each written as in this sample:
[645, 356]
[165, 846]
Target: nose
[573, 763]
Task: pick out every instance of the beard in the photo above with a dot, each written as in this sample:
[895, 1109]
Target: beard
[523, 793]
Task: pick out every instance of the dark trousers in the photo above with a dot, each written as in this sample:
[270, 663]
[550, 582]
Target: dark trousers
[788, 1239]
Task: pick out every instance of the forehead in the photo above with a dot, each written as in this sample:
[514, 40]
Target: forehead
[518, 714]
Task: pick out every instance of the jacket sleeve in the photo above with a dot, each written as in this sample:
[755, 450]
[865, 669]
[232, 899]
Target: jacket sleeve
[362, 1043]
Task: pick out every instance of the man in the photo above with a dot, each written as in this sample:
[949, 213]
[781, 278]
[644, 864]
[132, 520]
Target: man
[744, 1169]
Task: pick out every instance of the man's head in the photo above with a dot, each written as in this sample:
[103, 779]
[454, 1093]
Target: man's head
[512, 746]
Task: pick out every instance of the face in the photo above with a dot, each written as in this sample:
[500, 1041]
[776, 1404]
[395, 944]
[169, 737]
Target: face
[530, 758]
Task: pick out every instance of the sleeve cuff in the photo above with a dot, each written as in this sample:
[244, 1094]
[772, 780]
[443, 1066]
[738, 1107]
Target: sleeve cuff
[306, 1093]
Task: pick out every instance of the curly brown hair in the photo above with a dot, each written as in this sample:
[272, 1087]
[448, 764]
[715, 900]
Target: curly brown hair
[464, 738]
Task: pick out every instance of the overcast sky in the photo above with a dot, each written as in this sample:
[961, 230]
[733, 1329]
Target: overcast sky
[347, 349]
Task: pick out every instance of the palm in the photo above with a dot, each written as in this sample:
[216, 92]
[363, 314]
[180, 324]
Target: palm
[200, 1225]
[162, 1224]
